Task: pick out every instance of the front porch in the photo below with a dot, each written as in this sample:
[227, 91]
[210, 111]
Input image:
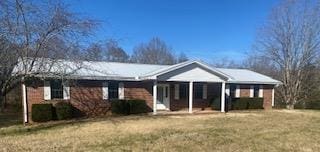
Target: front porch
[187, 97]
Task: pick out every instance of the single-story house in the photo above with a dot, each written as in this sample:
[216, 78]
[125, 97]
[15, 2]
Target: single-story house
[188, 85]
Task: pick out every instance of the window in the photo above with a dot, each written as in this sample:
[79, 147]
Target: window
[56, 89]
[198, 90]
[183, 91]
[113, 90]
[256, 91]
[166, 93]
[232, 91]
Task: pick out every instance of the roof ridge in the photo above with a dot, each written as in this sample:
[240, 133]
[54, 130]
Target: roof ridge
[129, 63]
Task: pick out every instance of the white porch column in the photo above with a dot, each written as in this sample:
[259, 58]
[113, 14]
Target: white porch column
[272, 97]
[155, 97]
[24, 103]
[190, 96]
[223, 90]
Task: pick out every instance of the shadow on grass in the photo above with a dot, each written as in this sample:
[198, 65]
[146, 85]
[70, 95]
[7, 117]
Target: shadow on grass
[10, 119]
[18, 129]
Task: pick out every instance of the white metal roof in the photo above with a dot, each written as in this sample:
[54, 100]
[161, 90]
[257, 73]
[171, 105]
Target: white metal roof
[134, 71]
[247, 76]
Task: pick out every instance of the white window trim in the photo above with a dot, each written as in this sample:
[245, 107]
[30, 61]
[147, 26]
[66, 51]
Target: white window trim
[261, 91]
[237, 91]
[105, 91]
[66, 90]
[251, 91]
[121, 90]
[47, 90]
[227, 90]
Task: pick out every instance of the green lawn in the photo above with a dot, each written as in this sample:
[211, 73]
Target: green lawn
[279, 130]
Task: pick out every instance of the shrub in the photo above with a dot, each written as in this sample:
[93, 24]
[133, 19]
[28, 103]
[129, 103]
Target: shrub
[239, 103]
[255, 103]
[120, 107]
[215, 103]
[312, 105]
[63, 110]
[247, 103]
[137, 106]
[126, 107]
[42, 112]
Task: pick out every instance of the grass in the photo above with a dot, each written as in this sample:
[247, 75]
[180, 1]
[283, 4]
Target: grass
[278, 130]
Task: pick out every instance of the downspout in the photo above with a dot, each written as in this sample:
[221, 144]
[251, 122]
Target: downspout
[24, 101]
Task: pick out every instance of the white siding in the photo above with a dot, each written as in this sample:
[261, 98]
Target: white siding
[190, 73]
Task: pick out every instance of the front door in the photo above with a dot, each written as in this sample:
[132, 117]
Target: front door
[163, 97]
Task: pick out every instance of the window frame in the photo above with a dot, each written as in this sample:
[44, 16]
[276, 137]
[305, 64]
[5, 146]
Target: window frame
[56, 88]
[113, 91]
[183, 91]
[233, 90]
[256, 91]
[198, 91]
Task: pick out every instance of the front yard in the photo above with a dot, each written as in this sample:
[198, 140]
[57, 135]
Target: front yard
[278, 130]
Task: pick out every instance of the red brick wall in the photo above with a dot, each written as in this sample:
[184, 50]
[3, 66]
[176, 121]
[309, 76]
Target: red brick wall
[267, 96]
[244, 90]
[139, 90]
[34, 96]
[86, 96]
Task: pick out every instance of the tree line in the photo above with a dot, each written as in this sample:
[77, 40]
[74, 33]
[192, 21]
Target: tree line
[156, 51]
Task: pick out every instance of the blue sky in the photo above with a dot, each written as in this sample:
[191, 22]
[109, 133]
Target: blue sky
[203, 29]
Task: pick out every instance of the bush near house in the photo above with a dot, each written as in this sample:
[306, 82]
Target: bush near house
[63, 110]
[126, 107]
[215, 103]
[255, 103]
[239, 103]
[307, 105]
[42, 112]
[137, 106]
[247, 103]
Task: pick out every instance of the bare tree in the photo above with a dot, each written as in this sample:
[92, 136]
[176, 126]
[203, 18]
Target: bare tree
[94, 52]
[226, 63]
[291, 40]
[182, 58]
[155, 51]
[115, 53]
[34, 30]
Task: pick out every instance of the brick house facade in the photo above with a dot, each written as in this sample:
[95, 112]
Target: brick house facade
[87, 96]
[188, 85]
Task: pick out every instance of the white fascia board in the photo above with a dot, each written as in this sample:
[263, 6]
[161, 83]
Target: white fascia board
[121, 78]
[255, 82]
